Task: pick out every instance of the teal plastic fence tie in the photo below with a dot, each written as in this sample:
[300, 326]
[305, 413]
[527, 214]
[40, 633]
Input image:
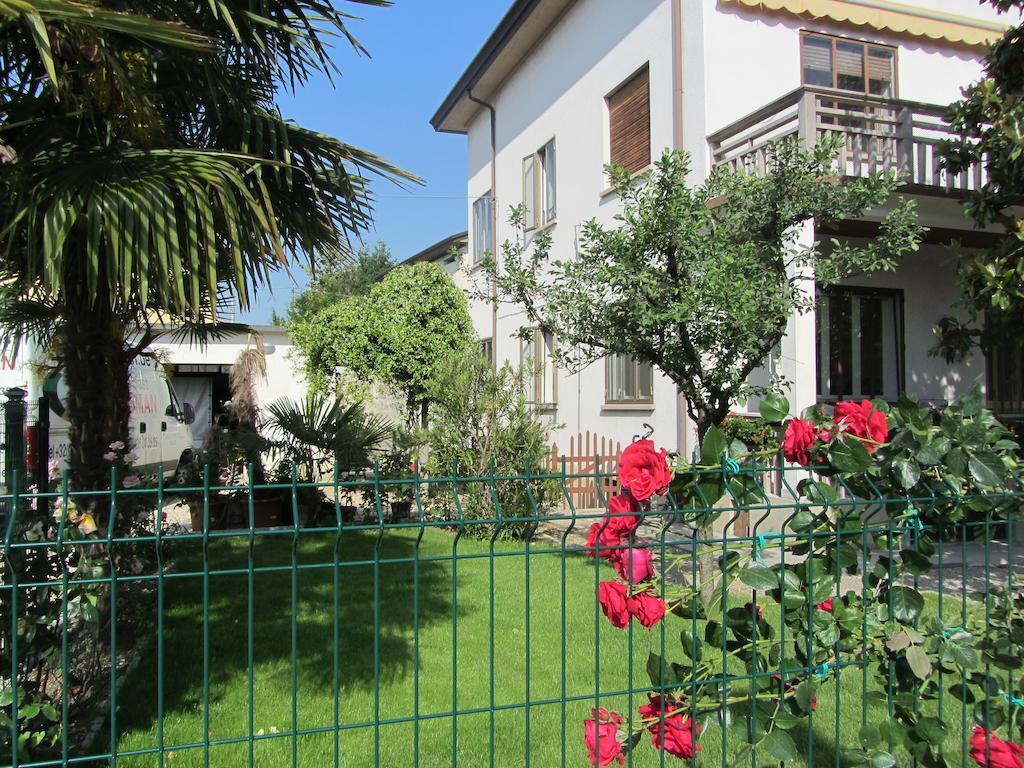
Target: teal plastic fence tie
[946, 633]
[730, 466]
[1014, 700]
[822, 672]
[759, 544]
[913, 521]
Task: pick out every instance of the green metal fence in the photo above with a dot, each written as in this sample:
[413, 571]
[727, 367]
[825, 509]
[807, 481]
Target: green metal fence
[467, 629]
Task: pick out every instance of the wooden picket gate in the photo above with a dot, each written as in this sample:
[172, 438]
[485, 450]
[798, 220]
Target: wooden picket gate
[588, 454]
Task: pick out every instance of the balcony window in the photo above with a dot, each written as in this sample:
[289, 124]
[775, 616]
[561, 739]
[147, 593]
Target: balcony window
[848, 65]
[1004, 376]
[860, 343]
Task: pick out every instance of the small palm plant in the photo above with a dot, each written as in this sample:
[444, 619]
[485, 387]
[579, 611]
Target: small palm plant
[320, 431]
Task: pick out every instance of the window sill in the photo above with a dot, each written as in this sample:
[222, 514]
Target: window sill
[545, 407]
[638, 407]
[645, 171]
[529, 234]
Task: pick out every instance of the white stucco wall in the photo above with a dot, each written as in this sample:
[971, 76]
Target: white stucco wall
[284, 375]
[559, 92]
[735, 60]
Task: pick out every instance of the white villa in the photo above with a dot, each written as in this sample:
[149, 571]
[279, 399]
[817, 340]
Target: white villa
[564, 86]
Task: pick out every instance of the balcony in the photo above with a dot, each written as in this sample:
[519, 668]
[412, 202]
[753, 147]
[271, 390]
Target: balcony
[876, 135]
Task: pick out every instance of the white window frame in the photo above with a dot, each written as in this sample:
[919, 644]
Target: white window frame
[542, 369]
[636, 397]
[483, 221]
[540, 187]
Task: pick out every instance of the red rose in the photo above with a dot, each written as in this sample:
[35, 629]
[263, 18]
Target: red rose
[602, 533]
[614, 598]
[643, 471]
[673, 733]
[989, 751]
[798, 441]
[646, 608]
[634, 564]
[622, 514]
[601, 734]
[862, 420]
[824, 606]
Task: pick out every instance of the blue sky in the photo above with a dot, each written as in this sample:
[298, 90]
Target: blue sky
[384, 104]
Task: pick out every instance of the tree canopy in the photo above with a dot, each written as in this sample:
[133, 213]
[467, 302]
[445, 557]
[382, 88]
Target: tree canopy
[397, 334]
[148, 175]
[335, 282]
[701, 281]
[987, 122]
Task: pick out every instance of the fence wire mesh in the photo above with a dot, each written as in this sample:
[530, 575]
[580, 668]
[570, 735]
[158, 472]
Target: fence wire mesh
[444, 621]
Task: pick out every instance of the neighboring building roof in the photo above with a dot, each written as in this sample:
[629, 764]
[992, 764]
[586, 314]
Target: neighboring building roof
[892, 16]
[526, 22]
[439, 249]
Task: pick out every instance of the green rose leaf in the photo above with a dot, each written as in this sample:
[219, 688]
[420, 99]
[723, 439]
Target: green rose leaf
[932, 730]
[915, 562]
[920, 663]
[759, 577]
[848, 454]
[987, 469]
[774, 408]
[869, 736]
[906, 604]
[692, 645]
[780, 746]
[882, 760]
[714, 444]
[908, 473]
[805, 694]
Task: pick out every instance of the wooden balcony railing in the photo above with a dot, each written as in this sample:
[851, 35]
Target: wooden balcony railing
[876, 135]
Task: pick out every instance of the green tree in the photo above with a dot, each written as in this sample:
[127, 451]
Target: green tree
[987, 122]
[480, 424]
[148, 174]
[701, 282]
[335, 282]
[397, 334]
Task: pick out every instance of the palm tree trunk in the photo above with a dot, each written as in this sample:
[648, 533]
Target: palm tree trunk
[96, 371]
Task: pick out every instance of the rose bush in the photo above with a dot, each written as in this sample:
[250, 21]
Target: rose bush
[884, 486]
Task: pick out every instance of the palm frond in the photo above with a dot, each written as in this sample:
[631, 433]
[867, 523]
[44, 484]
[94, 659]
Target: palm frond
[346, 434]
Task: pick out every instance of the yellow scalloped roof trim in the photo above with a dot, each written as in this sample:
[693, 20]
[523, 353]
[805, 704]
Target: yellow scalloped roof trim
[895, 17]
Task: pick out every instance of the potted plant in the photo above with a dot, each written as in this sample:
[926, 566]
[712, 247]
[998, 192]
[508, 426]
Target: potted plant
[396, 470]
[320, 435]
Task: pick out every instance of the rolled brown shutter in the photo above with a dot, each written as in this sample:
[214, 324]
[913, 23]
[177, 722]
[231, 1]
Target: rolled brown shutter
[630, 112]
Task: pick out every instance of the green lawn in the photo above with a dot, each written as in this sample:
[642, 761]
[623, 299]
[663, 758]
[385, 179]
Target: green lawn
[543, 663]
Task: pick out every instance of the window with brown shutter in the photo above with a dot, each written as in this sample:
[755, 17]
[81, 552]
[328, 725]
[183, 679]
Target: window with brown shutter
[849, 65]
[629, 110]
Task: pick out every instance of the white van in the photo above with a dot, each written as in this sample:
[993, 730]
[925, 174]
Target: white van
[158, 425]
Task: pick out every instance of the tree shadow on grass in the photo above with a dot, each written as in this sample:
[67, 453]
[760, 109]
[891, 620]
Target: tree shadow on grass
[375, 646]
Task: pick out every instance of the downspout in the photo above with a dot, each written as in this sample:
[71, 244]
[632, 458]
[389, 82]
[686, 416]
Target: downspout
[682, 446]
[494, 220]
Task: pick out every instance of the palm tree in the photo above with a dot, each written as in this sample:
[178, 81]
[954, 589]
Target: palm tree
[146, 174]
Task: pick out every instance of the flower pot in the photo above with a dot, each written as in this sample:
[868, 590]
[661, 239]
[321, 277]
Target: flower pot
[217, 513]
[268, 512]
[401, 510]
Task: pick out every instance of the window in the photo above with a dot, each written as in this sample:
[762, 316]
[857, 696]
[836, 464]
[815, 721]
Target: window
[539, 186]
[536, 353]
[629, 115]
[848, 65]
[487, 349]
[1004, 375]
[860, 343]
[627, 380]
[482, 222]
